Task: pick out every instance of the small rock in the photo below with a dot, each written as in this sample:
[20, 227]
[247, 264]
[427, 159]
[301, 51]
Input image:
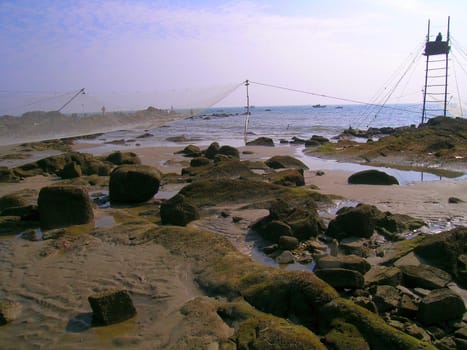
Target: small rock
[455, 200]
[341, 278]
[386, 298]
[9, 311]
[288, 242]
[111, 307]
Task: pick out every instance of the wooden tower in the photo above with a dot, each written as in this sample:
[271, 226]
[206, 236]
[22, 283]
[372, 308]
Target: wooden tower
[436, 72]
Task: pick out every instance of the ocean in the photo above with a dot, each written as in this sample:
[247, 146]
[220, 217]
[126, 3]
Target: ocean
[227, 126]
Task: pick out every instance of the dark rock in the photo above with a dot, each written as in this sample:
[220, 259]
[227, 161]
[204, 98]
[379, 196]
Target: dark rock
[133, 183]
[379, 275]
[212, 150]
[461, 344]
[357, 221]
[120, 158]
[111, 307]
[270, 249]
[440, 305]
[320, 173]
[341, 278]
[443, 250]
[229, 151]
[288, 177]
[372, 177]
[8, 175]
[70, 171]
[455, 200]
[288, 242]
[9, 311]
[355, 246]
[407, 307]
[191, 151]
[350, 262]
[261, 141]
[304, 222]
[286, 257]
[61, 206]
[27, 212]
[365, 302]
[12, 200]
[279, 162]
[199, 161]
[386, 298]
[424, 276]
[275, 229]
[178, 211]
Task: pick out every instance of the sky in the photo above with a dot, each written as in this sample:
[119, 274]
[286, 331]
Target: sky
[195, 53]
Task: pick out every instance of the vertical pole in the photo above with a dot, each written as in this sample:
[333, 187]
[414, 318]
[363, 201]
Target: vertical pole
[426, 74]
[247, 118]
[446, 78]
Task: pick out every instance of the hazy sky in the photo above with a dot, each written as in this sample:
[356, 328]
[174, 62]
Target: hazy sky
[201, 49]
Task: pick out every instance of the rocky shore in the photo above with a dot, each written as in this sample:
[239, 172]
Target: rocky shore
[153, 248]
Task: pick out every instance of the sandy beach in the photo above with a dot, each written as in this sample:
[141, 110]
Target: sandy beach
[52, 280]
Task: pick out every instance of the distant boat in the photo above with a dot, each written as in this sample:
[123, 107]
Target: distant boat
[319, 106]
[339, 107]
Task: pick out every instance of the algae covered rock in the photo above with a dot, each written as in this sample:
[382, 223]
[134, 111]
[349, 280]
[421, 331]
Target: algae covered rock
[344, 336]
[212, 150]
[133, 183]
[111, 307]
[261, 141]
[304, 222]
[119, 158]
[12, 200]
[228, 151]
[278, 162]
[70, 171]
[288, 177]
[178, 211]
[372, 177]
[261, 331]
[61, 206]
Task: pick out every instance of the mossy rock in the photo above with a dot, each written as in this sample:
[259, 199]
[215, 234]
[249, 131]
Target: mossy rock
[178, 211]
[261, 141]
[372, 177]
[261, 331]
[288, 177]
[119, 158]
[228, 151]
[376, 332]
[344, 336]
[12, 200]
[357, 221]
[211, 192]
[279, 162]
[228, 168]
[212, 150]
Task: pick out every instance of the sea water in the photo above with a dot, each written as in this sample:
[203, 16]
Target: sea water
[227, 126]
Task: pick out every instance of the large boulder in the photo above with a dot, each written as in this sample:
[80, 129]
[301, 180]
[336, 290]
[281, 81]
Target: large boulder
[341, 278]
[359, 221]
[379, 275]
[111, 307]
[178, 211]
[279, 162]
[261, 141]
[70, 171]
[440, 305]
[228, 151]
[444, 249]
[424, 276]
[350, 262]
[61, 206]
[134, 183]
[372, 177]
[120, 158]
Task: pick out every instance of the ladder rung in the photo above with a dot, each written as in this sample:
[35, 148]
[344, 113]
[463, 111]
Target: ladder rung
[435, 85]
[442, 68]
